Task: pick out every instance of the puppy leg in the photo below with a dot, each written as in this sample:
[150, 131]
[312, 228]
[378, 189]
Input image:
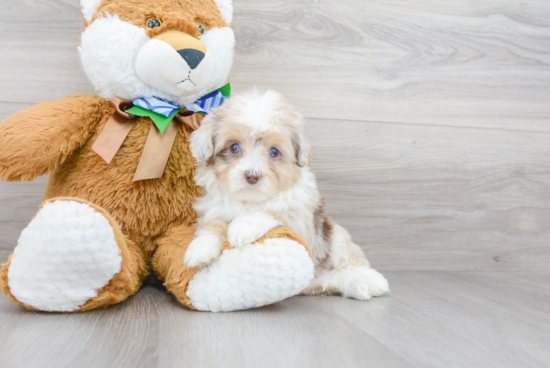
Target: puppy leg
[206, 247]
[247, 229]
[346, 271]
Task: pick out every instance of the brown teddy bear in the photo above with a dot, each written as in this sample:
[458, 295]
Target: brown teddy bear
[118, 206]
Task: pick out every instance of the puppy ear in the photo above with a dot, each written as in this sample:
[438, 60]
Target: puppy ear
[302, 149]
[201, 141]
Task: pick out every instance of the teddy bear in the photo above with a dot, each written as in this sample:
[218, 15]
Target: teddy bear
[117, 210]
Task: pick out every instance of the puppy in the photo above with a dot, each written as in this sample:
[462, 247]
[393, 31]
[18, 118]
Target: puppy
[253, 165]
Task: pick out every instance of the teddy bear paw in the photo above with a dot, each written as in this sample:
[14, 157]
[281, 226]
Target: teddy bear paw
[251, 276]
[66, 253]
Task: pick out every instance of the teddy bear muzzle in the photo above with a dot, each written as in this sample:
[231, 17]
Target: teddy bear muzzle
[174, 62]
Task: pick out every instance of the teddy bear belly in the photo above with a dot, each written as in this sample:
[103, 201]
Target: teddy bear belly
[144, 209]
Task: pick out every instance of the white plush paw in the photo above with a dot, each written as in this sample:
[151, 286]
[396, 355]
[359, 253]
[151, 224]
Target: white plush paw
[247, 229]
[203, 250]
[65, 254]
[252, 276]
[364, 284]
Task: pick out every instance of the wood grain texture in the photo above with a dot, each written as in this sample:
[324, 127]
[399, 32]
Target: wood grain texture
[443, 198]
[428, 119]
[430, 126]
[431, 319]
[466, 63]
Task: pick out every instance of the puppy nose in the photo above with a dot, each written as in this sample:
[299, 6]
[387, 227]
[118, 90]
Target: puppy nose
[192, 56]
[251, 178]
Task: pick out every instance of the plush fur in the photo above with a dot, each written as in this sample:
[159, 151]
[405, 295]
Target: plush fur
[118, 31]
[56, 138]
[89, 7]
[267, 268]
[144, 209]
[132, 270]
[226, 8]
[253, 166]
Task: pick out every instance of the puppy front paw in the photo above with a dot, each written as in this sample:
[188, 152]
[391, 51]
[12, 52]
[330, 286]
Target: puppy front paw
[247, 229]
[203, 250]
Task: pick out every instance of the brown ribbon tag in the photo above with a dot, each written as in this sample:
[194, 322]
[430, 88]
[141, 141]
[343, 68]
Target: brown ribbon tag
[188, 118]
[156, 152]
[157, 146]
[115, 131]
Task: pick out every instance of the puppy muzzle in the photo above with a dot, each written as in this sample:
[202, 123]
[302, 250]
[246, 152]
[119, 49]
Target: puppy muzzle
[252, 177]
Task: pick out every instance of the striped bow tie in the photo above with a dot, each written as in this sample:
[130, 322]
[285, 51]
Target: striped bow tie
[163, 112]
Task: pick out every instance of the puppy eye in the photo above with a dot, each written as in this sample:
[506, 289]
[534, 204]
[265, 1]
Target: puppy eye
[153, 23]
[274, 152]
[202, 28]
[235, 148]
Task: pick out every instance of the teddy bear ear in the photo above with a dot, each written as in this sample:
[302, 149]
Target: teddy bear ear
[89, 7]
[226, 8]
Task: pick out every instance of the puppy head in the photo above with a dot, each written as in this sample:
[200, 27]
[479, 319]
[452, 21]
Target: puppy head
[253, 146]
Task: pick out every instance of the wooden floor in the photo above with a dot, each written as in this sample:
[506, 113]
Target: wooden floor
[431, 319]
[430, 127]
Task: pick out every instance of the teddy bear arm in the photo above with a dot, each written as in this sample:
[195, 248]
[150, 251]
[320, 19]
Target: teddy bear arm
[33, 142]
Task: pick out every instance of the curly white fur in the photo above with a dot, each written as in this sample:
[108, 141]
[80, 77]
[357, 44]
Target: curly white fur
[203, 250]
[285, 194]
[249, 228]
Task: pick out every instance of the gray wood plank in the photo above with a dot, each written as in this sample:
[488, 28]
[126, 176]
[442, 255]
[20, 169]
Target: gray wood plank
[482, 64]
[279, 336]
[457, 319]
[431, 319]
[466, 63]
[444, 198]
[114, 337]
[39, 60]
[18, 205]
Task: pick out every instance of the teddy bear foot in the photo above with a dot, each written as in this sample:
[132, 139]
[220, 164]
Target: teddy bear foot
[67, 257]
[252, 276]
[273, 268]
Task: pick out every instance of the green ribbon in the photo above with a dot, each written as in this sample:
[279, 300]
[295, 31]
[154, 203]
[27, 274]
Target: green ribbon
[162, 121]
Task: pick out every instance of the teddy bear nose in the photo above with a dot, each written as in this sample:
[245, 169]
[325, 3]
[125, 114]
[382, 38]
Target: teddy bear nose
[192, 57]
[251, 177]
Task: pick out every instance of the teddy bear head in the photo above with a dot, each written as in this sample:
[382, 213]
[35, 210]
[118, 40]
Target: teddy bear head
[177, 50]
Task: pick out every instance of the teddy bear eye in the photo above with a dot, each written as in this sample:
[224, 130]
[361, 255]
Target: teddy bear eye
[153, 23]
[202, 28]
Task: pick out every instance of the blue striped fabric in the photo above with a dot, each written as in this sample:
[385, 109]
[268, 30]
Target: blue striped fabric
[205, 104]
[156, 105]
